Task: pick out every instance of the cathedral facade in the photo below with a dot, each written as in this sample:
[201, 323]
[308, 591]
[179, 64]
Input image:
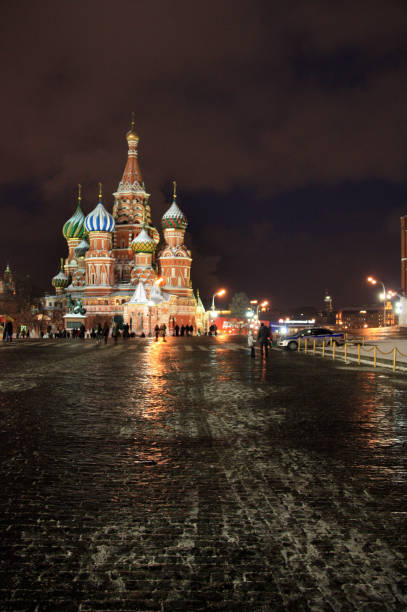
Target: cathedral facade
[118, 268]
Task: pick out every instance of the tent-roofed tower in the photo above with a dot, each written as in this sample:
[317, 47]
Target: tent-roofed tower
[131, 210]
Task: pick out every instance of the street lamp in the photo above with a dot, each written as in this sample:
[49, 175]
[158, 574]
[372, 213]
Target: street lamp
[374, 281]
[217, 294]
[258, 306]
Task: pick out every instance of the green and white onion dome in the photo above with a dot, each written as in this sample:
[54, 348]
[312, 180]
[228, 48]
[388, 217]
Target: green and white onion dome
[60, 280]
[174, 218]
[99, 220]
[143, 243]
[81, 249]
[74, 227]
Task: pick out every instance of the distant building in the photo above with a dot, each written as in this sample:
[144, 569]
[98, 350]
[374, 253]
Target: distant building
[360, 317]
[8, 298]
[7, 284]
[403, 297]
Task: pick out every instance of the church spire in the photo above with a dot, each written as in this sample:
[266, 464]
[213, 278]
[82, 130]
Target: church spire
[131, 179]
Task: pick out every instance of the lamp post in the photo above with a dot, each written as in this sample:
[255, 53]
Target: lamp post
[258, 306]
[218, 293]
[374, 281]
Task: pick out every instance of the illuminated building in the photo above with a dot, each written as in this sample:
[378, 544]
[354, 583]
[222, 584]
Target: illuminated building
[359, 317]
[7, 285]
[403, 298]
[119, 268]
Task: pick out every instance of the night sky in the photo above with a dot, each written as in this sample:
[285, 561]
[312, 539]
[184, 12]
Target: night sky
[284, 124]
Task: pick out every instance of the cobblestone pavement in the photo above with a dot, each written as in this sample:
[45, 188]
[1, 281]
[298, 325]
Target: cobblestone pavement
[187, 476]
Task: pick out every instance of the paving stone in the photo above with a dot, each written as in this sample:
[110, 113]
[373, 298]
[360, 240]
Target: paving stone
[188, 476]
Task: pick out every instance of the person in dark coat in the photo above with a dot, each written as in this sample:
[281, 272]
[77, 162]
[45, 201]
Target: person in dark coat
[8, 331]
[115, 332]
[156, 332]
[163, 331]
[105, 332]
[82, 332]
[263, 338]
[182, 330]
[177, 330]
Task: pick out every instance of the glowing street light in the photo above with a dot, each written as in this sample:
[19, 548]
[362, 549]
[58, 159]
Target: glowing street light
[218, 293]
[374, 281]
[263, 304]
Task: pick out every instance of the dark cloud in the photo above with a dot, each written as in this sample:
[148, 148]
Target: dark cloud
[257, 108]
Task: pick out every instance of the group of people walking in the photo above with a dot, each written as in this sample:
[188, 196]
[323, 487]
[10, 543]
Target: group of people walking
[184, 330]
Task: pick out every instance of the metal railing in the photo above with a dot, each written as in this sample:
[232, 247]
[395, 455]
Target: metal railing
[310, 346]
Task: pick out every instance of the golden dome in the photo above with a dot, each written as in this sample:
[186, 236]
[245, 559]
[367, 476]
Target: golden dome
[132, 134]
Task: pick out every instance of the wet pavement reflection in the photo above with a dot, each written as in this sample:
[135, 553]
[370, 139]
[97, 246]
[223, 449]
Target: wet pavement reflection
[187, 476]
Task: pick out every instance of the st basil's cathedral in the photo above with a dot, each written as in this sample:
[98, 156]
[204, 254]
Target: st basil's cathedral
[118, 267]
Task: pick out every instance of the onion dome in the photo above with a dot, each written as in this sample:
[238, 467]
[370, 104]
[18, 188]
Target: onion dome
[132, 134]
[74, 227]
[81, 249]
[174, 217]
[60, 280]
[143, 243]
[99, 220]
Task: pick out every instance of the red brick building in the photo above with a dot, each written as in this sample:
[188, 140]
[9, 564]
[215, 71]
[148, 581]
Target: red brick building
[118, 268]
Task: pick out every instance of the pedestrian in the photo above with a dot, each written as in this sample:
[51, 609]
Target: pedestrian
[182, 330]
[163, 330]
[263, 336]
[115, 332]
[82, 332]
[8, 331]
[251, 342]
[156, 332]
[105, 332]
[126, 333]
[177, 330]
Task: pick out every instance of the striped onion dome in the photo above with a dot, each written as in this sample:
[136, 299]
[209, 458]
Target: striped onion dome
[99, 220]
[81, 249]
[143, 243]
[60, 280]
[174, 217]
[74, 227]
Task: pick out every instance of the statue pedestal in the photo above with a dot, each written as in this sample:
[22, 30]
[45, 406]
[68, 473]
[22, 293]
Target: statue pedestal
[74, 321]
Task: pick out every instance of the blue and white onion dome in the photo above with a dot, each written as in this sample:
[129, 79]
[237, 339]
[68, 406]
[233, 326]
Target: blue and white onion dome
[99, 220]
